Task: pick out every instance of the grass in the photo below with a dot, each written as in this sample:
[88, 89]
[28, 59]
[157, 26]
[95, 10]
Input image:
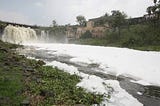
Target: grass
[91, 41]
[59, 88]
[11, 83]
[148, 48]
[105, 42]
[10, 88]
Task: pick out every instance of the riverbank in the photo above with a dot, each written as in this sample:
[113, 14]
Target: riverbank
[104, 42]
[27, 82]
[144, 37]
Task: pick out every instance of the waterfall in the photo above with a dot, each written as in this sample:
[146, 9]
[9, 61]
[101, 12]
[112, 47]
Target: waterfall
[18, 35]
[44, 36]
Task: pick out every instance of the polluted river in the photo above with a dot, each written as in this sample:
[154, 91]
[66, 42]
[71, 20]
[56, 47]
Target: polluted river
[133, 76]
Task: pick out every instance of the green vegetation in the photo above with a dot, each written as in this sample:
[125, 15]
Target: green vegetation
[140, 36]
[87, 34]
[27, 82]
[154, 9]
[54, 23]
[91, 41]
[10, 76]
[81, 20]
[10, 85]
[136, 36]
[117, 19]
[57, 33]
[59, 88]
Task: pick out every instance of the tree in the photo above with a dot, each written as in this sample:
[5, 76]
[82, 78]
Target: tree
[81, 20]
[117, 19]
[54, 23]
[155, 1]
[149, 10]
[154, 9]
[106, 15]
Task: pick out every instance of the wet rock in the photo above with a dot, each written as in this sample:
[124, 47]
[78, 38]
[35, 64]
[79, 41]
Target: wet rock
[19, 92]
[34, 78]
[93, 65]
[15, 58]
[38, 80]
[25, 102]
[47, 93]
[152, 91]
[79, 105]
[27, 74]
[4, 50]
[6, 68]
[6, 63]
[40, 62]
[29, 69]
[22, 56]
[4, 100]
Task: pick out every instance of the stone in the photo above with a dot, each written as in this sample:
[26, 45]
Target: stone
[4, 100]
[47, 93]
[79, 105]
[4, 50]
[40, 62]
[29, 69]
[38, 80]
[6, 63]
[25, 102]
[26, 74]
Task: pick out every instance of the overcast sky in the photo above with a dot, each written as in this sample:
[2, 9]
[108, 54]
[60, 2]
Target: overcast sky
[42, 12]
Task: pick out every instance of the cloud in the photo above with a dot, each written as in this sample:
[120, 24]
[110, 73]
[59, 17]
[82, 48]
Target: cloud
[65, 11]
[14, 17]
[42, 12]
[39, 4]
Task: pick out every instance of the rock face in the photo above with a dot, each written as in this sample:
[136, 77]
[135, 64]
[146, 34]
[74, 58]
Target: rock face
[1, 31]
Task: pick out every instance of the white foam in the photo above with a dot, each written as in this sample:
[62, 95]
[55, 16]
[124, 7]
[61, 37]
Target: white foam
[92, 83]
[143, 65]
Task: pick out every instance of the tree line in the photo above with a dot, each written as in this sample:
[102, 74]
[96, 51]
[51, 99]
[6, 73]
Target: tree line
[154, 9]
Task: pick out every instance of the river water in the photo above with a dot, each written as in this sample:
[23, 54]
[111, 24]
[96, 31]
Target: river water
[58, 55]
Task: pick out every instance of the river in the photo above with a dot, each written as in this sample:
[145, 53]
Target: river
[134, 75]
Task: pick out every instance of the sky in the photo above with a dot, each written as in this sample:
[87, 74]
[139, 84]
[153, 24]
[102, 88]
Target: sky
[42, 12]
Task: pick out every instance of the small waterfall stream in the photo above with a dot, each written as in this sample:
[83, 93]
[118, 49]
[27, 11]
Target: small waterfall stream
[44, 37]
